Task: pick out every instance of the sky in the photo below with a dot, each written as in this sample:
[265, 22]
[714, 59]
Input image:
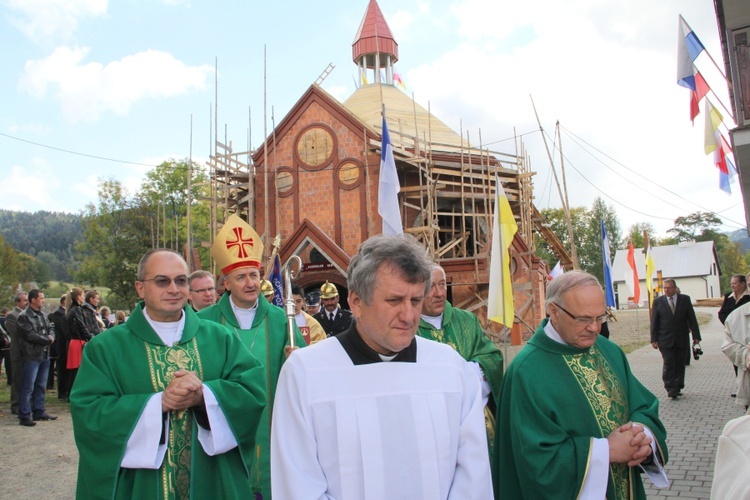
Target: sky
[93, 90]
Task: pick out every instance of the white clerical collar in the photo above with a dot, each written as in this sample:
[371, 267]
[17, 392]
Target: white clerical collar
[383, 357]
[436, 321]
[552, 333]
[169, 332]
[244, 316]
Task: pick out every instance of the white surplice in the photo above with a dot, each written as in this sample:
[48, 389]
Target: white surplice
[380, 430]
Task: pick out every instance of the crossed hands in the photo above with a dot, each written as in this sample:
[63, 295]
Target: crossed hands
[185, 390]
[629, 444]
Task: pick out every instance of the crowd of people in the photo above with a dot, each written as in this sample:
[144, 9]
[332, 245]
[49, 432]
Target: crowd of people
[44, 350]
[207, 389]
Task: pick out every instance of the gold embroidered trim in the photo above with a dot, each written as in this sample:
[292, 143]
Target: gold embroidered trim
[608, 404]
[163, 362]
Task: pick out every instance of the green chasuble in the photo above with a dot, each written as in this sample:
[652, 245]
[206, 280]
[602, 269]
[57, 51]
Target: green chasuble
[462, 331]
[266, 340]
[555, 399]
[121, 369]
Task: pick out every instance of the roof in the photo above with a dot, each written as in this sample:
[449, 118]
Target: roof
[374, 35]
[690, 258]
[405, 117]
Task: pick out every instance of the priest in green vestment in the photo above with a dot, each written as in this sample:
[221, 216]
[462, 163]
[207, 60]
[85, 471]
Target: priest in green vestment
[261, 326]
[461, 330]
[573, 420]
[166, 405]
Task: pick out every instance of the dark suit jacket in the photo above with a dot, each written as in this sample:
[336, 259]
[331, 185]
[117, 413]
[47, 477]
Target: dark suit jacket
[339, 324]
[671, 330]
[730, 305]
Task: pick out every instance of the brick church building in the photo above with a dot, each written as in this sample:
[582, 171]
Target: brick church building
[317, 174]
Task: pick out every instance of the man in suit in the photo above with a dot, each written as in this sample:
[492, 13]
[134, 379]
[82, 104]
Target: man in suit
[671, 320]
[331, 317]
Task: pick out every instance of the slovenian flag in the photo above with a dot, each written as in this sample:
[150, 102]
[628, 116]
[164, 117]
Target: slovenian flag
[688, 49]
[701, 89]
[609, 290]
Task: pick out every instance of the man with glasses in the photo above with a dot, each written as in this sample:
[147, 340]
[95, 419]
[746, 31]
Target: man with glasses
[166, 402]
[202, 289]
[573, 421]
[672, 321]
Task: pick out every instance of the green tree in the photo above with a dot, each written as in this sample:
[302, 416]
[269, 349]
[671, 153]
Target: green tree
[114, 241]
[698, 226]
[703, 226]
[635, 235]
[12, 271]
[586, 232]
[590, 258]
[731, 261]
[163, 194]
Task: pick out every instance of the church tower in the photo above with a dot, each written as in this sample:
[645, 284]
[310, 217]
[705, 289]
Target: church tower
[374, 47]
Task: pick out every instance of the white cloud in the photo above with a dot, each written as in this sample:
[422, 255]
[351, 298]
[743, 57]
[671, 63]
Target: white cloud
[606, 74]
[30, 188]
[45, 21]
[87, 89]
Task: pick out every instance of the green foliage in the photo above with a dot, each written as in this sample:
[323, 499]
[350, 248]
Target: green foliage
[12, 271]
[53, 233]
[698, 226]
[702, 226]
[635, 235]
[114, 241]
[122, 228]
[587, 234]
[164, 195]
[732, 262]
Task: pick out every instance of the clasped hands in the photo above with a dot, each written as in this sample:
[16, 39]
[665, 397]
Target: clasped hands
[184, 391]
[629, 444]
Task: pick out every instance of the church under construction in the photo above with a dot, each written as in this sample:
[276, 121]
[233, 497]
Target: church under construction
[314, 184]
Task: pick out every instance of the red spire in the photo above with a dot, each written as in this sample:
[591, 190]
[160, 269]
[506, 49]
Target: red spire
[374, 35]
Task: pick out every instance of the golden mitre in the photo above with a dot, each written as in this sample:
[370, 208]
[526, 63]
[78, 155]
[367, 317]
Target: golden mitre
[236, 246]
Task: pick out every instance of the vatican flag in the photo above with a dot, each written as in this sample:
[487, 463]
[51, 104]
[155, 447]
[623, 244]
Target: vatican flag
[504, 227]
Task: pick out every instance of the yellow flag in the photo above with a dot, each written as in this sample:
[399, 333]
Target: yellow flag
[650, 271]
[713, 120]
[504, 227]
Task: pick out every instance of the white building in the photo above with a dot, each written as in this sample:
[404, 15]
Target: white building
[693, 265]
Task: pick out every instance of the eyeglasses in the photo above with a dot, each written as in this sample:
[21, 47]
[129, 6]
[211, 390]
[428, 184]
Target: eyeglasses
[202, 290]
[164, 281]
[583, 320]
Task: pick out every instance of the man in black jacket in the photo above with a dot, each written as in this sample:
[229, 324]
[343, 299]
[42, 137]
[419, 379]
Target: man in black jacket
[331, 317]
[21, 301]
[61, 341]
[36, 335]
[672, 320]
[90, 317]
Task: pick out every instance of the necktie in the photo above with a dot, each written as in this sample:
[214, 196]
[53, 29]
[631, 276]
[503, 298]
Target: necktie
[671, 303]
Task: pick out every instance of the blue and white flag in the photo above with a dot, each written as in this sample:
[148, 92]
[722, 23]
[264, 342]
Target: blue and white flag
[688, 49]
[278, 288]
[388, 188]
[609, 290]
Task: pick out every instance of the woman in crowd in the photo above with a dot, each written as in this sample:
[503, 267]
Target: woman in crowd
[105, 313]
[119, 317]
[79, 332]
